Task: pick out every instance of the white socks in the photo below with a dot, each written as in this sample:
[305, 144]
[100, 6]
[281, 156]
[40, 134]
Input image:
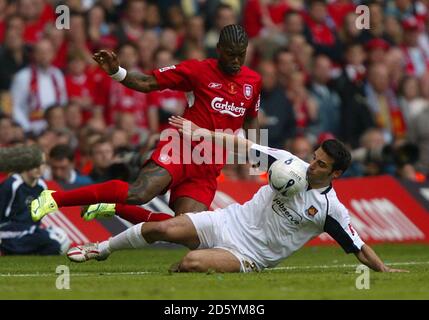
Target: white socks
[129, 239]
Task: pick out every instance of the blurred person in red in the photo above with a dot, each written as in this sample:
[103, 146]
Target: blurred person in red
[77, 38]
[117, 98]
[304, 106]
[416, 59]
[303, 53]
[339, 9]
[59, 44]
[99, 31]
[3, 15]
[319, 33]
[37, 14]
[264, 16]
[376, 49]
[81, 88]
[165, 103]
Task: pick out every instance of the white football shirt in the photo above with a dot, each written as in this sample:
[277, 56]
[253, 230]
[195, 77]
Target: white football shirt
[269, 228]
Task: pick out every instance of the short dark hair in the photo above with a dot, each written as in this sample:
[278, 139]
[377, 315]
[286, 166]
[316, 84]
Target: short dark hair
[61, 151]
[233, 34]
[50, 109]
[339, 152]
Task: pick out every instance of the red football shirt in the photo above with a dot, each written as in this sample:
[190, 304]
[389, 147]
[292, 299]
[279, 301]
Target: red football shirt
[171, 101]
[216, 100]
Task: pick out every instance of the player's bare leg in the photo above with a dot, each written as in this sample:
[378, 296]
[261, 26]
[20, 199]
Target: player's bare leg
[184, 204]
[206, 260]
[152, 180]
[178, 230]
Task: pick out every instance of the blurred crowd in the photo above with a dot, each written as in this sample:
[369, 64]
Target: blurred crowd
[322, 77]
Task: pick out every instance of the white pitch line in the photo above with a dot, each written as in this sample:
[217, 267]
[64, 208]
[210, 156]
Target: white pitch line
[139, 273]
[333, 266]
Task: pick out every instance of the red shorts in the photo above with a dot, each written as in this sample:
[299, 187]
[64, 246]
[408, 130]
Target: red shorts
[196, 181]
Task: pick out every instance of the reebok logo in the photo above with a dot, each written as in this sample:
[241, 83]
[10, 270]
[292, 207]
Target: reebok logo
[215, 85]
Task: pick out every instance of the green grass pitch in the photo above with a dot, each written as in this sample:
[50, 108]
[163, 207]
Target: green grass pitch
[312, 273]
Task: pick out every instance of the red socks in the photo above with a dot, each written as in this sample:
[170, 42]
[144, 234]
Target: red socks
[137, 214]
[114, 191]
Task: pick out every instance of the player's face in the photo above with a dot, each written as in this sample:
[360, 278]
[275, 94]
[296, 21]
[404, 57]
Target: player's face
[231, 58]
[320, 172]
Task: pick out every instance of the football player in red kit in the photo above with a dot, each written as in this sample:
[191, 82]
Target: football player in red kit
[222, 94]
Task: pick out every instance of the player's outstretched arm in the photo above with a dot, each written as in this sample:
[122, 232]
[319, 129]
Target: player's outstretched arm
[369, 258]
[109, 62]
[238, 145]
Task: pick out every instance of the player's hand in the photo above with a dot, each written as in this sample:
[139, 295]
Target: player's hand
[107, 60]
[183, 125]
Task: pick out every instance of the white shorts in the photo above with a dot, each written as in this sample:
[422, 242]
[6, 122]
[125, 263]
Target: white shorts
[213, 232]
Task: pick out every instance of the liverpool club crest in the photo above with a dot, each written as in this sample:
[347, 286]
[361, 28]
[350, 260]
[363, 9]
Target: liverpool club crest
[247, 91]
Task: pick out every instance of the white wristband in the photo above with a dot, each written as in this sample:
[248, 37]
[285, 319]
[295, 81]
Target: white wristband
[119, 75]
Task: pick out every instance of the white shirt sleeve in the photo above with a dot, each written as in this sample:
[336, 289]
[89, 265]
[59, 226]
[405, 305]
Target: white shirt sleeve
[275, 153]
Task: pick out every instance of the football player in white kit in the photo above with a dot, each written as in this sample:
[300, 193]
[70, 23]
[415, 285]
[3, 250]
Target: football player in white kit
[261, 232]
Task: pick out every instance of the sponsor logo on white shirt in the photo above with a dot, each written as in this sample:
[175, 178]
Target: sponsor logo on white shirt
[280, 209]
[228, 108]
